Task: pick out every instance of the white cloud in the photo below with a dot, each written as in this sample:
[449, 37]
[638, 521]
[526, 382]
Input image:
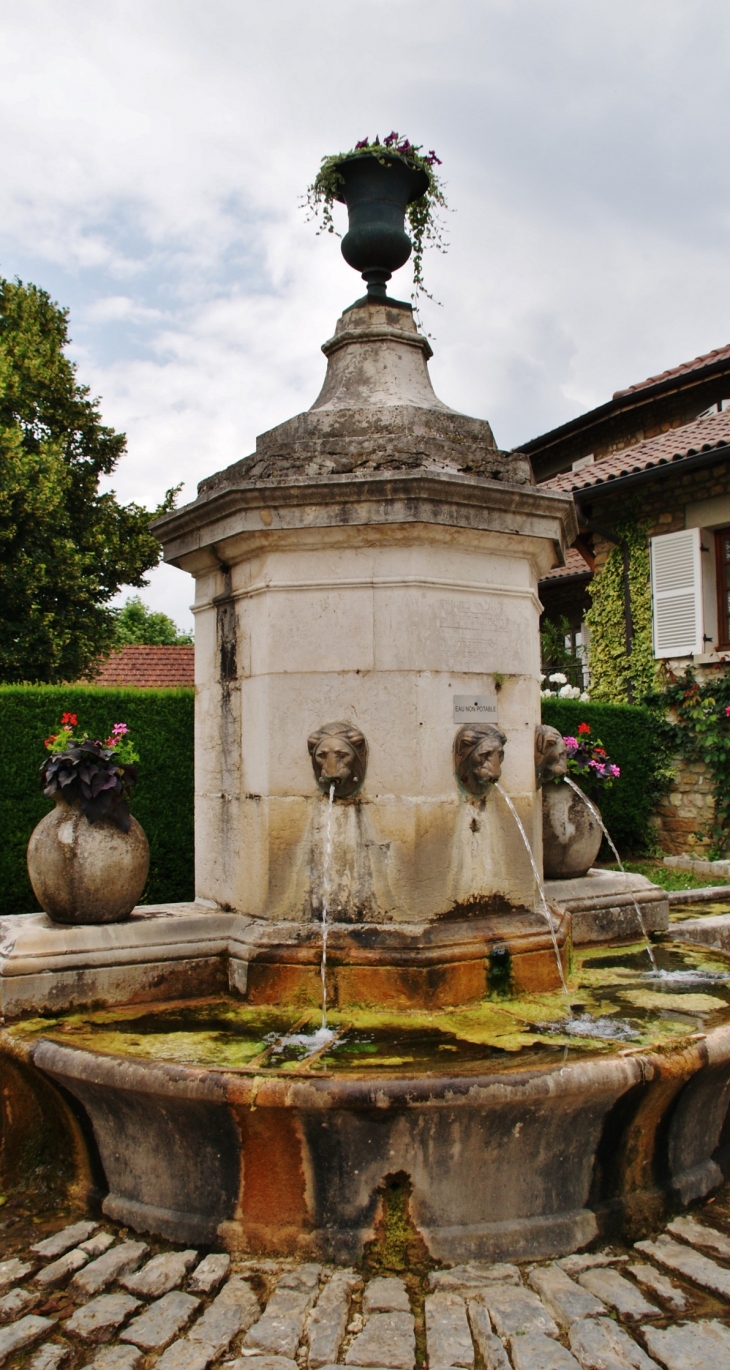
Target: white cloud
[154, 157]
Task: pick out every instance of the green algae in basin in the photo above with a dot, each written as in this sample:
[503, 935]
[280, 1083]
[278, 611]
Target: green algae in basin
[614, 985]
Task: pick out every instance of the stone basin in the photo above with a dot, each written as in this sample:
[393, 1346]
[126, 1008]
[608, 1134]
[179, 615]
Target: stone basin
[527, 1149]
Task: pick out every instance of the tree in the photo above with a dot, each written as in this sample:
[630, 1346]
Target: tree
[137, 623]
[65, 547]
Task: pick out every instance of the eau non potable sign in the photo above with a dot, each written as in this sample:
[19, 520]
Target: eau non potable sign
[475, 708]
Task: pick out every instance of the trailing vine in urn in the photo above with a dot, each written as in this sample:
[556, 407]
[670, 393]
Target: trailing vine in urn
[425, 225]
[612, 671]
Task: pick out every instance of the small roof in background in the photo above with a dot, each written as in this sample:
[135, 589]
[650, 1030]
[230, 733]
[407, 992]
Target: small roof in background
[148, 668]
[575, 565]
[702, 435]
[684, 369]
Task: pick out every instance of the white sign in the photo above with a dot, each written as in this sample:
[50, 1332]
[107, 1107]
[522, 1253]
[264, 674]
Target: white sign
[475, 708]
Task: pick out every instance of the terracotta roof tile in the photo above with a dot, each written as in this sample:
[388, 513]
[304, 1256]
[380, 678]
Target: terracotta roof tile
[148, 667]
[702, 435]
[697, 363]
[575, 565]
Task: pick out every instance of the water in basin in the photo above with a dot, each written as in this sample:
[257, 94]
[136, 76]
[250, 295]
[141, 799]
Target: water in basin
[615, 1004]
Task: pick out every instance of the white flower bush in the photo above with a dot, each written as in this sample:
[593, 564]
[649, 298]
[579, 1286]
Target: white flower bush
[565, 690]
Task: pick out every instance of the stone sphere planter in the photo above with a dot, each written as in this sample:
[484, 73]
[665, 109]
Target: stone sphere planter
[377, 192]
[571, 835]
[84, 872]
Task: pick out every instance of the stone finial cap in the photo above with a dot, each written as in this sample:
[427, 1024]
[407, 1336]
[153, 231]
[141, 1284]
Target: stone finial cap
[377, 357]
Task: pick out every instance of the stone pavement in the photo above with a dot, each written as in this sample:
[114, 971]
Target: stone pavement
[83, 1294]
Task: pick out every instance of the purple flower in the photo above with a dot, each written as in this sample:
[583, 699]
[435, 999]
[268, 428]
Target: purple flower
[615, 771]
[364, 142]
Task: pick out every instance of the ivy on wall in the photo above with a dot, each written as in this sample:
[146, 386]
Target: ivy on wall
[699, 722]
[612, 671]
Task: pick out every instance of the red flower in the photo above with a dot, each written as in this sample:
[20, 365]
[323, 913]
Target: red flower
[69, 720]
[727, 710]
[49, 742]
[583, 728]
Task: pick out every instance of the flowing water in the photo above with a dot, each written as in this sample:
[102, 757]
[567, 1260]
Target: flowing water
[304, 1045]
[609, 839]
[325, 901]
[541, 888]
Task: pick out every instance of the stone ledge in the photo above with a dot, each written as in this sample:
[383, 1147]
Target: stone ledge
[602, 906]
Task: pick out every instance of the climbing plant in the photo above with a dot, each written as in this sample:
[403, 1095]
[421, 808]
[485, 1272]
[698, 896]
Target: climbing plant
[699, 714]
[613, 671]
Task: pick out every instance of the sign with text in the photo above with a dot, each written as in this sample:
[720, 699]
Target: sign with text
[475, 708]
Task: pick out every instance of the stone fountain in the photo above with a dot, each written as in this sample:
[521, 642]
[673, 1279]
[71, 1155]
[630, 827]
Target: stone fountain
[367, 678]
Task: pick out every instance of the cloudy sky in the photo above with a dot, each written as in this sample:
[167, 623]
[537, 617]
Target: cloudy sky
[155, 153]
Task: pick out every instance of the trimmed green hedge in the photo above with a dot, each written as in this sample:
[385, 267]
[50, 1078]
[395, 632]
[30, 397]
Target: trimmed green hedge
[636, 742]
[161, 723]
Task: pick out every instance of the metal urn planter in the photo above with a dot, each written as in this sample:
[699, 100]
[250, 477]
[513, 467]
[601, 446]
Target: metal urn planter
[84, 872]
[377, 192]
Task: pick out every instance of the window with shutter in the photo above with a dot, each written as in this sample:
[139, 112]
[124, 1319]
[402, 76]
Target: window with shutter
[722, 566]
[676, 594]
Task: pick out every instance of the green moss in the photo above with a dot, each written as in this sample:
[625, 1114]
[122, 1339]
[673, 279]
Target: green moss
[495, 1034]
[398, 1245]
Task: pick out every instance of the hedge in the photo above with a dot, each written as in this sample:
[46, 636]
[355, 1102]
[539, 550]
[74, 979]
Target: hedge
[161, 722]
[635, 741]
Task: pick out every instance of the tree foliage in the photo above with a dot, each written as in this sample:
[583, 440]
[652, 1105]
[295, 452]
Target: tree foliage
[137, 623]
[65, 547]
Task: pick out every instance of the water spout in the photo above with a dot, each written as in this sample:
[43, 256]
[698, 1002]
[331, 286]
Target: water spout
[609, 839]
[541, 888]
[325, 902]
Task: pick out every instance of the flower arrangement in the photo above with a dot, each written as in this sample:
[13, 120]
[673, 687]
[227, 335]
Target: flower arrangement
[99, 774]
[422, 214]
[589, 760]
[565, 690]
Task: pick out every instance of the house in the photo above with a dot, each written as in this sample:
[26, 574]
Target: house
[648, 579]
[148, 667]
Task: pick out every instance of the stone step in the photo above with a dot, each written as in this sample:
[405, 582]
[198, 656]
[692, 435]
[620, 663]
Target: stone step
[566, 1300]
[613, 1289]
[448, 1335]
[690, 1263]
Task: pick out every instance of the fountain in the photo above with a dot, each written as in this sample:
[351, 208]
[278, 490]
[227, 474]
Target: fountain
[371, 982]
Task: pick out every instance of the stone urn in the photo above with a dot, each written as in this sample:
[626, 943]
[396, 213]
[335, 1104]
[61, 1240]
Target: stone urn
[571, 834]
[84, 872]
[377, 192]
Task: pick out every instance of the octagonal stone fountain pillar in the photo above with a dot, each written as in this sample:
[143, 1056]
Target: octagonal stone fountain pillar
[374, 559]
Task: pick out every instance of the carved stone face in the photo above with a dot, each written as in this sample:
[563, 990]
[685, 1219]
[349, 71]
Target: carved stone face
[551, 756]
[478, 757]
[339, 755]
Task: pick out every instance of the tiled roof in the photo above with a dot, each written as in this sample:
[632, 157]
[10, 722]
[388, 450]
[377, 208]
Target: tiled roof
[697, 364]
[702, 435]
[148, 667]
[575, 565]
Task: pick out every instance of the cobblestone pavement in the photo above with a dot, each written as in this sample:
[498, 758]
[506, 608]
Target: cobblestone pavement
[75, 1293]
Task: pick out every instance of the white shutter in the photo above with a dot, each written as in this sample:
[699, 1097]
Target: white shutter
[676, 594]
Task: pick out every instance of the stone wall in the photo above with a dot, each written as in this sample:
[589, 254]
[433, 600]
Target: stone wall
[684, 817]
